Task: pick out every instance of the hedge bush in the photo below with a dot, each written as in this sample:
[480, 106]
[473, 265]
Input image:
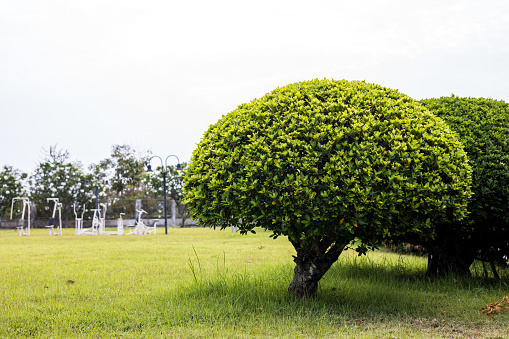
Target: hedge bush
[483, 127]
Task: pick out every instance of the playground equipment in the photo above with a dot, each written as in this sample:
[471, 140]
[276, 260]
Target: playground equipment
[23, 231]
[139, 226]
[78, 222]
[51, 226]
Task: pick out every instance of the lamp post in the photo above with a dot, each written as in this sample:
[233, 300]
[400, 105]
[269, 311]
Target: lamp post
[164, 172]
[87, 184]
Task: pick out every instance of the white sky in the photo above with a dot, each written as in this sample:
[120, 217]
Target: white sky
[155, 74]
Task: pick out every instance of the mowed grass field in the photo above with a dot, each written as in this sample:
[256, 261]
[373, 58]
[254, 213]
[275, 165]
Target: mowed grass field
[202, 283]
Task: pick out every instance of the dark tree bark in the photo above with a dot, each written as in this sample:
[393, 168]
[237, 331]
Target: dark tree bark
[312, 262]
[432, 269]
[449, 254]
[494, 270]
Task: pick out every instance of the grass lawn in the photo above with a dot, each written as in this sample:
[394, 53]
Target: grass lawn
[202, 283]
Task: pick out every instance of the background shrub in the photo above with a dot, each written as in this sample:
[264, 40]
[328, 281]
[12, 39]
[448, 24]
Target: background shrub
[483, 127]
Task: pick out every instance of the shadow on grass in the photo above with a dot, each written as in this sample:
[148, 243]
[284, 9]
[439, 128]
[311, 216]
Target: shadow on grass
[353, 289]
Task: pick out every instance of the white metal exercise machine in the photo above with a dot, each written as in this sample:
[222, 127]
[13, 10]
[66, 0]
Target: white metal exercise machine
[102, 219]
[97, 223]
[120, 225]
[51, 227]
[23, 231]
[139, 226]
[78, 222]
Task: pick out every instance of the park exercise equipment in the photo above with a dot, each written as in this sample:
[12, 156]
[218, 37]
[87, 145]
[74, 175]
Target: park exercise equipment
[51, 226]
[98, 222]
[23, 231]
[139, 226]
[102, 219]
[120, 225]
[78, 222]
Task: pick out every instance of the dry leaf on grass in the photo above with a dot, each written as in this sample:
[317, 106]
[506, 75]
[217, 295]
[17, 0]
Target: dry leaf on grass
[497, 306]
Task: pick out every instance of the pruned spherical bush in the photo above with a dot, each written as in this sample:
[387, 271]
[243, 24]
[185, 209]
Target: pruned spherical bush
[483, 127]
[324, 161]
[322, 153]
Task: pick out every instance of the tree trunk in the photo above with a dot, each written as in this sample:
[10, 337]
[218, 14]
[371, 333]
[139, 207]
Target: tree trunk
[494, 270]
[312, 262]
[449, 254]
[432, 269]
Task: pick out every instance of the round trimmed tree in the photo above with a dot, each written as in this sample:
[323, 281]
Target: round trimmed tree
[483, 127]
[324, 162]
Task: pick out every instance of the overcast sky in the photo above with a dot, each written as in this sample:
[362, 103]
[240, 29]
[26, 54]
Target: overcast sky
[155, 74]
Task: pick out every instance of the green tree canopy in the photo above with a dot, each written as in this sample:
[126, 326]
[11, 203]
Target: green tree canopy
[483, 127]
[11, 186]
[174, 187]
[323, 162]
[65, 181]
[124, 170]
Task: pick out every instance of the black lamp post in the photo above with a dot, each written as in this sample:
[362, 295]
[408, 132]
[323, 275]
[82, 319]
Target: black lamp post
[87, 184]
[178, 169]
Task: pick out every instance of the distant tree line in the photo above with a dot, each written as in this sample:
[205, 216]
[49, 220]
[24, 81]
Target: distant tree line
[120, 180]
